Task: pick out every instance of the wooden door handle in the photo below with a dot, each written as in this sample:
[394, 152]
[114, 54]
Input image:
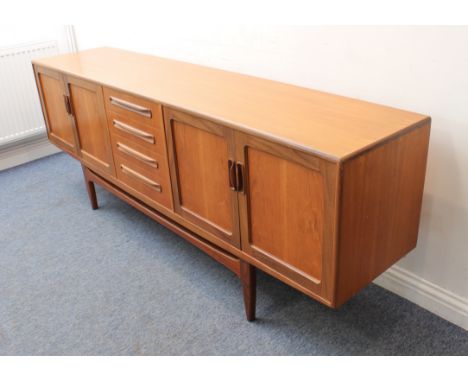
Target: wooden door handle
[136, 154]
[232, 174]
[236, 175]
[239, 177]
[66, 100]
[133, 131]
[144, 179]
[141, 110]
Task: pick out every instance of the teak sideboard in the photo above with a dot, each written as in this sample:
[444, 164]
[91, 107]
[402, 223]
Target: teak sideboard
[320, 191]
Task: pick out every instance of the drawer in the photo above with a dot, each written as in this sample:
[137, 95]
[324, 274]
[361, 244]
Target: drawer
[148, 140]
[133, 108]
[145, 179]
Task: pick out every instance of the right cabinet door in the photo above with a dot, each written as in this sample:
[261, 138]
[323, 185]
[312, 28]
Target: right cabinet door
[286, 212]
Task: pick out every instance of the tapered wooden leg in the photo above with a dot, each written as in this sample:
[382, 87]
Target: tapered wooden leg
[249, 285]
[91, 190]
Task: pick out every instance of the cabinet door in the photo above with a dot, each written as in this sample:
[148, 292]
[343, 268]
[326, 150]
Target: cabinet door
[91, 124]
[199, 153]
[286, 211]
[56, 109]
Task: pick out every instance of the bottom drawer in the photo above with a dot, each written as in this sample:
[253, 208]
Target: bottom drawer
[153, 183]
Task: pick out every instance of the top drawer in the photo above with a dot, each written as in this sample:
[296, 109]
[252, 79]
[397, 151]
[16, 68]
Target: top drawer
[135, 108]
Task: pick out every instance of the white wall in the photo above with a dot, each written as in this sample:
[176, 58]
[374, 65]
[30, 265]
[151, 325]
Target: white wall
[422, 69]
[21, 34]
[12, 36]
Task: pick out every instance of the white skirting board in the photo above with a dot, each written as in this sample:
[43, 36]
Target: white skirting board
[429, 296]
[27, 152]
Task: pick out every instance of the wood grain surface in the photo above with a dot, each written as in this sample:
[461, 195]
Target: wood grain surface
[53, 93]
[91, 123]
[333, 126]
[380, 209]
[320, 191]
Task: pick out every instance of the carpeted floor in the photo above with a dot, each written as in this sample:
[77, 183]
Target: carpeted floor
[74, 281]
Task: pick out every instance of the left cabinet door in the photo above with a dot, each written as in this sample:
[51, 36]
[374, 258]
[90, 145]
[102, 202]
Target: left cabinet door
[56, 109]
[87, 107]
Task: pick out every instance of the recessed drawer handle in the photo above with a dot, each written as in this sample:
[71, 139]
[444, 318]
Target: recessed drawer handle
[145, 112]
[143, 178]
[134, 131]
[136, 154]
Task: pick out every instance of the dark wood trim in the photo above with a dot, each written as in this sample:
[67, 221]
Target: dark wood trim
[248, 278]
[90, 189]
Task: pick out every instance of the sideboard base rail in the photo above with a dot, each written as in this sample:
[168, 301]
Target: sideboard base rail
[245, 271]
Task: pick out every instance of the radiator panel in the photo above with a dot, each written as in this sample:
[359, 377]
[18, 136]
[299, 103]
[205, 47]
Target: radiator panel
[20, 109]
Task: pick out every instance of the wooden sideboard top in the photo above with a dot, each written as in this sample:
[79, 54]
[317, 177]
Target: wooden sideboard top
[332, 126]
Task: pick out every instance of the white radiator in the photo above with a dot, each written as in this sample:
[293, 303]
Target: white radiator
[20, 110]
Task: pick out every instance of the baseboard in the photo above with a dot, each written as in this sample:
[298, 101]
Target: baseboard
[26, 152]
[429, 296]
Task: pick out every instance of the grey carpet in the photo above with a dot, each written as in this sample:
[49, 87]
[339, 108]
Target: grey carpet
[74, 281]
